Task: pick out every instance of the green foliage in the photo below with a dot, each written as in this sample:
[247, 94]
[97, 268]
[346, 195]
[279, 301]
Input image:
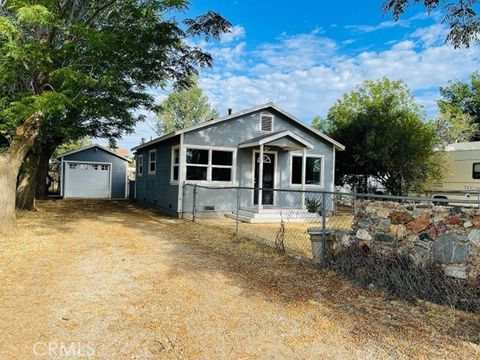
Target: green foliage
[385, 136]
[72, 146]
[462, 99]
[453, 125]
[313, 205]
[183, 108]
[87, 65]
[462, 17]
[323, 125]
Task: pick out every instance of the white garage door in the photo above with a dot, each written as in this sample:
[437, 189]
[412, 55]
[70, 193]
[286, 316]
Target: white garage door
[87, 180]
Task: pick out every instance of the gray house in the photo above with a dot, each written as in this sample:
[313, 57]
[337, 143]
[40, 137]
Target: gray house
[262, 147]
[93, 172]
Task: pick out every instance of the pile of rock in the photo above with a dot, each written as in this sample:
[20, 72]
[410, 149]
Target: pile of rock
[446, 234]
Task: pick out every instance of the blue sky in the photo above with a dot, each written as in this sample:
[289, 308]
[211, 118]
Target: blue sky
[304, 55]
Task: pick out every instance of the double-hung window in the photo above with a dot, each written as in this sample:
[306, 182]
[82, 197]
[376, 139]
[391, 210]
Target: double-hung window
[313, 170]
[140, 165]
[175, 163]
[209, 165]
[152, 162]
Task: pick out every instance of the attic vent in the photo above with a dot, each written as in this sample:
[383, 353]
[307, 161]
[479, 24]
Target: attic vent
[266, 123]
[209, 208]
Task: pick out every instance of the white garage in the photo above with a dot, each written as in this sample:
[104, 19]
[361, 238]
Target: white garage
[94, 172]
[87, 180]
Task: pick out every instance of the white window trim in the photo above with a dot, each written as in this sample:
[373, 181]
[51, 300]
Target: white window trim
[140, 165]
[172, 163]
[152, 172]
[322, 175]
[209, 166]
[260, 122]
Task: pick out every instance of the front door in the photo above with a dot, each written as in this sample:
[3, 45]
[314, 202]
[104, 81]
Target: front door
[268, 178]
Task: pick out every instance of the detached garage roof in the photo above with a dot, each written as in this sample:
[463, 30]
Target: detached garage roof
[95, 146]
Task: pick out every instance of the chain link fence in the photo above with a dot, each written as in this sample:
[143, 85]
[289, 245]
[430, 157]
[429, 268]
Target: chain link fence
[414, 247]
[281, 220]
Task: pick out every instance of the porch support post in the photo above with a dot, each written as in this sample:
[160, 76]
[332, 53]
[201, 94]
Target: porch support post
[260, 179]
[304, 167]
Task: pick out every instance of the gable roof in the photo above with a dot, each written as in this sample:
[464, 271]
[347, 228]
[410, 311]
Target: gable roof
[94, 146]
[267, 138]
[270, 105]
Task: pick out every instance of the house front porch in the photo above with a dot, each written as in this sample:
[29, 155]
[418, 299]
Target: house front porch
[273, 214]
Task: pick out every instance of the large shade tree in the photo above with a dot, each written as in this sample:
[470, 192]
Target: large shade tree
[386, 136]
[461, 16]
[82, 67]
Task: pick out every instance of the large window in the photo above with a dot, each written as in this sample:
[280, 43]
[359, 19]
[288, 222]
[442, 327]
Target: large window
[140, 165]
[209, 165]
[175, 163]
[313, 173]
[152, 162]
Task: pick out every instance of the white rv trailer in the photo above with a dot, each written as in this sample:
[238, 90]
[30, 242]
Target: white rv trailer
[461, 180]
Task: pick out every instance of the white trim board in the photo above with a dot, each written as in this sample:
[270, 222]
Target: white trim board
[277, 136]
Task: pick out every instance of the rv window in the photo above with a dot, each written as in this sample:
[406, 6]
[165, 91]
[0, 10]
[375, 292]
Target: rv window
[476, 171]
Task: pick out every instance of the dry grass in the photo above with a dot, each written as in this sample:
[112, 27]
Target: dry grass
[133, 284]
[296, 238]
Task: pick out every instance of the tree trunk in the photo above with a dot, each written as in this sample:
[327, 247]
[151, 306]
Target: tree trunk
[10, 163]
[27, 184]
[42, 173]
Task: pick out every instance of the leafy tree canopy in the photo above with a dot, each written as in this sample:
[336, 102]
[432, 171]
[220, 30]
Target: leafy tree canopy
[462, 99]
[184, 108]
[461, 15]
[386, 137]
[87, 64]
[323, 125]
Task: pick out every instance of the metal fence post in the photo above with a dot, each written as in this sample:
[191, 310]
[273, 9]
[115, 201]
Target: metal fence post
[237, 214]
[324, 228]
[194, 202]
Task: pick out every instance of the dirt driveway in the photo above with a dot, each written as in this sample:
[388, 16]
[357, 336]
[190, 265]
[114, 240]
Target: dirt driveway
[113, 281]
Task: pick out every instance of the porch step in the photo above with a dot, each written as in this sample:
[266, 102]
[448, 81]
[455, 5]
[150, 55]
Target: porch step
[287, 215]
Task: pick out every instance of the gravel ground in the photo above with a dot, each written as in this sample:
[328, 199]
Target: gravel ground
[109, 280]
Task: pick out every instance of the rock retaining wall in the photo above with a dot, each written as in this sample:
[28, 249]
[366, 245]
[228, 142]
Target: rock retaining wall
[425, 233]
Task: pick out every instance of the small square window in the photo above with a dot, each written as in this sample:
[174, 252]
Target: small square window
[476, 171]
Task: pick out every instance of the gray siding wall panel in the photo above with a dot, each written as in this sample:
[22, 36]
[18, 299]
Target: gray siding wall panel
[119, 168]
[233, 132]
[156, 190]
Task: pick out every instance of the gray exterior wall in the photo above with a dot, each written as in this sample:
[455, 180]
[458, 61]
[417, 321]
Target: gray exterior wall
[119, 168]
[230, 133]
[156, 190]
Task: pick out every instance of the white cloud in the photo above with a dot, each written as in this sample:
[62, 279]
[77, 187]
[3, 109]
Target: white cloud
[388, 24]
[307, 73]
[238, 32]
